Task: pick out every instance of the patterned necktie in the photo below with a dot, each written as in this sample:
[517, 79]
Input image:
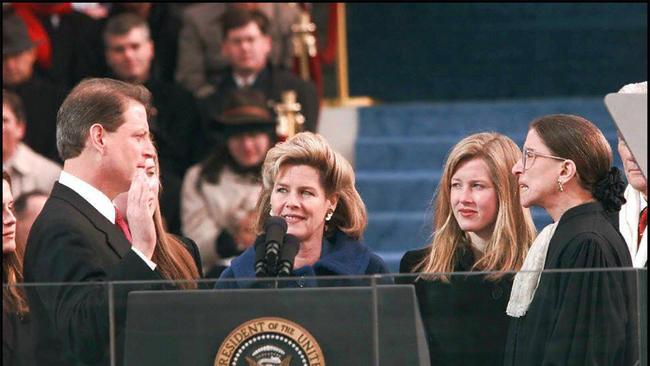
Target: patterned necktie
[643, 222]
[121, 224]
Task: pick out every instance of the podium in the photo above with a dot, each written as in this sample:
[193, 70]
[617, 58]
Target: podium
[378, 325]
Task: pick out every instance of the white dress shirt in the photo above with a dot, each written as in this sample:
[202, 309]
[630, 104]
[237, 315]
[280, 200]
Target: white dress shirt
[99, 201]
[243, 82]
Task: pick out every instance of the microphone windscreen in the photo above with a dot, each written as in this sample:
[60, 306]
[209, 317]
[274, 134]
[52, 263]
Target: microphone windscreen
[260, 248]
[275, 228]
[290, 247]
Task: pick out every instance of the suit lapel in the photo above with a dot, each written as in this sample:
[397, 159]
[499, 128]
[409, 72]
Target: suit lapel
[114, 237]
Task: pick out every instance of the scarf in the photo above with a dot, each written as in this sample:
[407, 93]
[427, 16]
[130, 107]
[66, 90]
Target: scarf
[527, 279]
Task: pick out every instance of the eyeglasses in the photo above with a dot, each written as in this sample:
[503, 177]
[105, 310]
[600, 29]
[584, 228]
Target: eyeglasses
[530, 155]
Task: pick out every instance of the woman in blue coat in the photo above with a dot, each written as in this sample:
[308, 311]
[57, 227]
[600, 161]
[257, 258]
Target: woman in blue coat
[311, 187]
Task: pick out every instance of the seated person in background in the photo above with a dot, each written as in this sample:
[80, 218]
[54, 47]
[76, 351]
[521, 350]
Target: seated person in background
[219, 194]
[174, 123]
[68, 41]
[27, 208]
[30, 170]
[200, 41]
[41, 99]
[17, 346]
[479, 226]
[177, 258]
[633, 217]
[164, 21]
[246, 46]
[311, 187]
[567, 317]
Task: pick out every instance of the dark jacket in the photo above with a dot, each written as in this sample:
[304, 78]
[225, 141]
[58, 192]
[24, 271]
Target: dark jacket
[271, 81]
[17, 346]
[41, 101]
[578, 317]
[77, 51]
[340, 256]
[71, 241]
[465, 320]
[176, 128]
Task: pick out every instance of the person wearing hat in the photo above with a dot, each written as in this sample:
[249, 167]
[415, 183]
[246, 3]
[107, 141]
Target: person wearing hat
[219, 195]
[40, 97]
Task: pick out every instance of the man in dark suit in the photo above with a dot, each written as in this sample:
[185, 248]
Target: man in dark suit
[103, 137]
[246, 47]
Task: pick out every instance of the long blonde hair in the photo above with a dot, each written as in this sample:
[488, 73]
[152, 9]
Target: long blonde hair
[514, 230]
[14, 299]
[336, 177]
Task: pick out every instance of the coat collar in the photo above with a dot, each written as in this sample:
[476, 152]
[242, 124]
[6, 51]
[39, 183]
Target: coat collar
[341, 255]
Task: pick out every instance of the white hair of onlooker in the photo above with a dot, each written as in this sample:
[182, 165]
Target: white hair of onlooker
[635, 88]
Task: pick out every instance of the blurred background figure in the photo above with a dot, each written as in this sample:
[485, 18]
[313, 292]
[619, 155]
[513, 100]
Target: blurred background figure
[311, 187]
[30, 170]
[164, 21]
[17, 346]
[27, 207]
[174, 122]
[246, 47]
[219, 194]
[68, 44]
[633, 217]
[41, 98]
[201, 39]
[479, 226]
[566, 168]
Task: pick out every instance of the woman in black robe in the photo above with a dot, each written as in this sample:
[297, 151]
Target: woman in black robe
[582, 309]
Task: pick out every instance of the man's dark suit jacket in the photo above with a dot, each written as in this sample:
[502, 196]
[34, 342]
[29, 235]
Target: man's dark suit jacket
[72, 242]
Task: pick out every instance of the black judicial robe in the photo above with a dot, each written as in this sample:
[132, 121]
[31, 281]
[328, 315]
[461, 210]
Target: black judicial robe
[580, 317]
[465, 320]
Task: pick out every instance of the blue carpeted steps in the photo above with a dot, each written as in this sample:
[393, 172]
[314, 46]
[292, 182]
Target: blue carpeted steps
[401, 150]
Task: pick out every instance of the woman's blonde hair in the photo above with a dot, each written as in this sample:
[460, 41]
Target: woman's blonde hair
[14, 299]
[513, 230]
[336, 178]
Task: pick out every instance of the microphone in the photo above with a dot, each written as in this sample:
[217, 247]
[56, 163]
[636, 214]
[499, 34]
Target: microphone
[275, 228]
[261, 268]
[288, 255]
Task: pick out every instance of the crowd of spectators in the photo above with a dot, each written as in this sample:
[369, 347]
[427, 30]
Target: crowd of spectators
[190, 56]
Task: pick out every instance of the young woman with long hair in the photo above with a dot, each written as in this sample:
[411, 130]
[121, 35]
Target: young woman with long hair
[479, 225]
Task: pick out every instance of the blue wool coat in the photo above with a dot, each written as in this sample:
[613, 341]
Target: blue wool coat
[341, 256]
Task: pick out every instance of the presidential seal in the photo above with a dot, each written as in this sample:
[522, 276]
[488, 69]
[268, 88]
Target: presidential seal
[269, 342]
